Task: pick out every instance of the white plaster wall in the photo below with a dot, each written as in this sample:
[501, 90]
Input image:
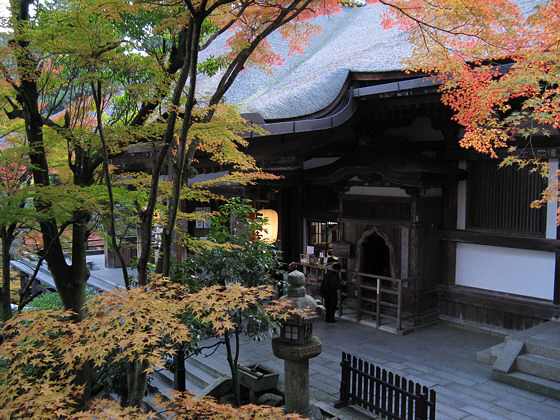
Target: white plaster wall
[517, 271]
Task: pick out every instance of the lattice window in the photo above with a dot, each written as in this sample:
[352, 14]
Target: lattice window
[499, 199]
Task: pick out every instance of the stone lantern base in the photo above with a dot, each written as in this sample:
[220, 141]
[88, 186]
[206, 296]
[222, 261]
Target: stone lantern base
[296, 370]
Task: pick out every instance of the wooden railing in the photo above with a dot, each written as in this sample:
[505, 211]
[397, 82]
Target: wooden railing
[384, 294]
[95, 246]
[384, 393]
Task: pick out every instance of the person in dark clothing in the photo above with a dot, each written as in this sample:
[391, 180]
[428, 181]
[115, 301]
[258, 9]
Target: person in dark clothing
[329, 291]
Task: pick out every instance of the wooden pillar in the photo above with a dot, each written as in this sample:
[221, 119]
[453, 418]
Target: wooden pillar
[557, 280]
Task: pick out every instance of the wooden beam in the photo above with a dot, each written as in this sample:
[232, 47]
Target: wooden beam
[498, 301]
[506, 241]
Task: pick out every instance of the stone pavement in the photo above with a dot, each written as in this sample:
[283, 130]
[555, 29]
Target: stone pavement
[442, 357]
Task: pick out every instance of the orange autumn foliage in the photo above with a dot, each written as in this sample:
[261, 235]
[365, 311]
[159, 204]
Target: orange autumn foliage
[44, 350]
[184, 406]
[251, 18]
[464, 41]
[500, 65]
[218, 305]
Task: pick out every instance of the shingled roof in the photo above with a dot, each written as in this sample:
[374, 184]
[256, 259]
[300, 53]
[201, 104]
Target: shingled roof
[353, 40]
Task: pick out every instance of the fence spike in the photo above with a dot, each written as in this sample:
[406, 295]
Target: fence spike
[372, 382]
[410, 400]
[390, 393]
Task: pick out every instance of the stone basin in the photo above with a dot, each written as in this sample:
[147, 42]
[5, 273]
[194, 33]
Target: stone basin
[257, 378]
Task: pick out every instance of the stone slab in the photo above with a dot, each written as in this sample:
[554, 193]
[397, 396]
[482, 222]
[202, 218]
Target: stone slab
[530, 383]
[480, 413]
[506, 360]
[526, 409]
[542, 367]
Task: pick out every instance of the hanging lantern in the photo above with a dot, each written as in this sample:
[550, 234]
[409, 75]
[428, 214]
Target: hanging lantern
[270, 228]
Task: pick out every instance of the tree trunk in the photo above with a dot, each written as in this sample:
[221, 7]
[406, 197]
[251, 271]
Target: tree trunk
[7, 240]
[147, 215]
[179, 380]
[98, 98]
[233, 361]
[80, 272]
[28, 97]
[181, 162]
[136, 383]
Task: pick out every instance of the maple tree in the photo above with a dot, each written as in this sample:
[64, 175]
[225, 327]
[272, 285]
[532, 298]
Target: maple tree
[234, 271]
[136, 59]
[251, 22]
[90, 78]
[15, 216]
[499, 65]
[44, 350]
[184, 406]
[234, 309]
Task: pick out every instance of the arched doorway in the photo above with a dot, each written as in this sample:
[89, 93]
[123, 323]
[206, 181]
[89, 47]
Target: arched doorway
[375, 256]
[375, 260]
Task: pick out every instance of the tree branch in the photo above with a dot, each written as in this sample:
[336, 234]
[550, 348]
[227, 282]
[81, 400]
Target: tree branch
[16, 112]
[42, 258]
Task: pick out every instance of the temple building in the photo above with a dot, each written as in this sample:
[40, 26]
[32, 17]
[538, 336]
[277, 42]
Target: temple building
[373, 176]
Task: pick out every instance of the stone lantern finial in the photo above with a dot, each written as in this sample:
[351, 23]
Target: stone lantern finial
[296, 280]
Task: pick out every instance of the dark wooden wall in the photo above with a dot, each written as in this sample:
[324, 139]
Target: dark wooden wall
[493, 308]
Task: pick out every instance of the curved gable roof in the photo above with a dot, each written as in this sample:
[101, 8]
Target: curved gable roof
[353, 40]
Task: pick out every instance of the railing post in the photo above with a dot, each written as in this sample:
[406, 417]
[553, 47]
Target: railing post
[344, 382]
[399, 305]
[382, 392]
[432, 404]
[359, 297]
[378, 309]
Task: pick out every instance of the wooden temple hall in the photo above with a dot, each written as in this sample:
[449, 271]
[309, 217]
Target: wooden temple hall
[373, 177]
[423, 229]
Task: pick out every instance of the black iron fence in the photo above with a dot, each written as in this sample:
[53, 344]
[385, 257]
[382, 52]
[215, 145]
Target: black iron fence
[384, 393]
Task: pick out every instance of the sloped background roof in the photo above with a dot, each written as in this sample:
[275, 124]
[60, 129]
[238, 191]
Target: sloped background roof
[353, 40]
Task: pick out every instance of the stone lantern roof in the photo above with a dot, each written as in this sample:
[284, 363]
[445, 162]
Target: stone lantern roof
[299, 300]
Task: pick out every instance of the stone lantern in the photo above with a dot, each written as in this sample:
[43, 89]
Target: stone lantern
[296, 344]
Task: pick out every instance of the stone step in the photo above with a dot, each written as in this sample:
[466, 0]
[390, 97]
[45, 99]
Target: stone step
[161, 383]
[496, 350]
[166, 377]
[198, 375]
[529, 383]
[100, 284]
[538, 366]
[542, 340]
[205, 364]
[542, 348]
[485, 356]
